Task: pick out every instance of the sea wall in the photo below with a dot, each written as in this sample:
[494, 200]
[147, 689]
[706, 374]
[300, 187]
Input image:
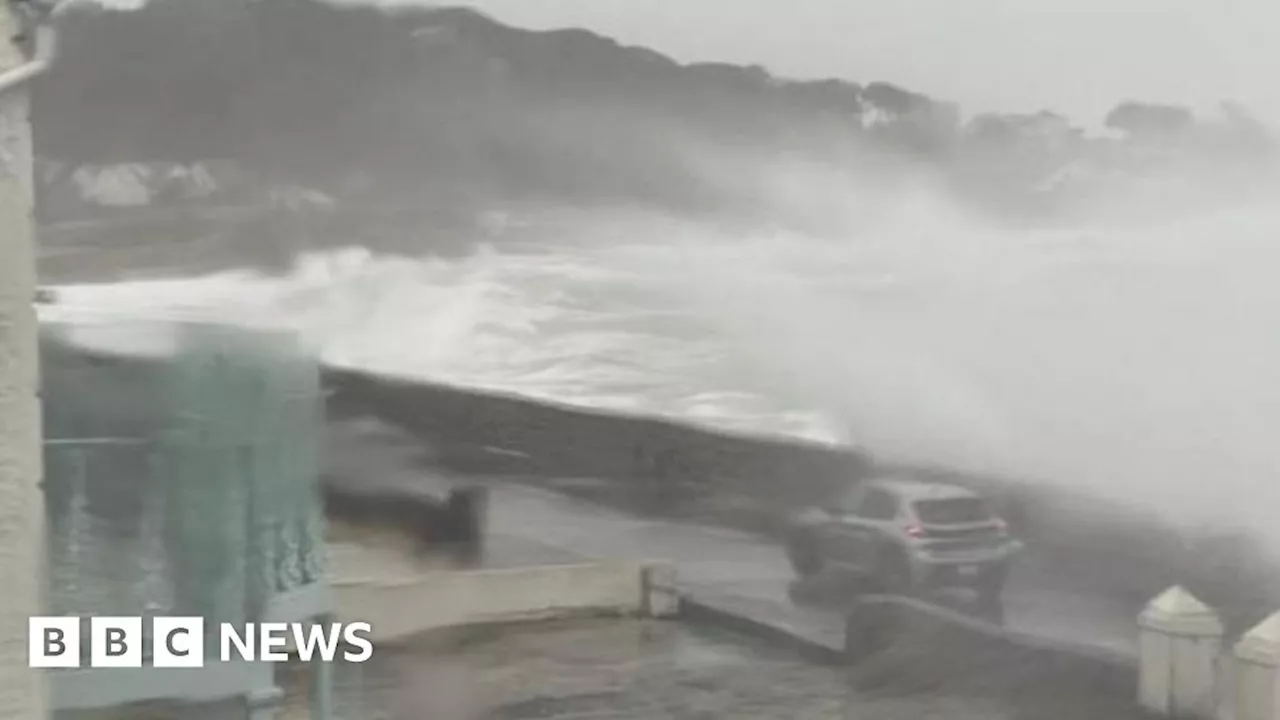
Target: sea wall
[646, 464]
[488, 433]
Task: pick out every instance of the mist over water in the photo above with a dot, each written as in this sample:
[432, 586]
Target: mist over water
[1135, 363]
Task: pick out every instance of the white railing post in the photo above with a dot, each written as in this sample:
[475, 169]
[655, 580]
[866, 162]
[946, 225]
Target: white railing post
[1179, 643]
[1257, 657]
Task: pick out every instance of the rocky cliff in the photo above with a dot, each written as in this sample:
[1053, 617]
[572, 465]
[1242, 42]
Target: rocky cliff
[439, 108]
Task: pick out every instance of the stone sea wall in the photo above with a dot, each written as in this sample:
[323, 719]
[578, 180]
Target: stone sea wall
[659, 466]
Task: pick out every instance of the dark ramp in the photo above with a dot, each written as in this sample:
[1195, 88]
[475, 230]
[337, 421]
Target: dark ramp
[899, 646]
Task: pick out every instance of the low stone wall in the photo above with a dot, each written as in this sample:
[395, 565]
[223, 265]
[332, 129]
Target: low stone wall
[487, 433]
[494, 434]
[402, 607]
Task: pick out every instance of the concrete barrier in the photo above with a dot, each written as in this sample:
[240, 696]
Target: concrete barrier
[489, 433]
[399, 607]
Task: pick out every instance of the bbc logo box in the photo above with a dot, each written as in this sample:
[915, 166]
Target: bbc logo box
[114, 642]
[177, 642]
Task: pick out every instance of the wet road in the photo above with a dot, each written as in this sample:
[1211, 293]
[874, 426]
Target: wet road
[727, 567]
[716, 565]
[613, 669]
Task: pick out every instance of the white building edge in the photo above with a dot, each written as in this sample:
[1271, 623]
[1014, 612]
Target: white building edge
[22, 690]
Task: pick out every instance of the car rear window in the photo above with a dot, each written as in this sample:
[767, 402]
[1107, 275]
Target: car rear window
[952, 511]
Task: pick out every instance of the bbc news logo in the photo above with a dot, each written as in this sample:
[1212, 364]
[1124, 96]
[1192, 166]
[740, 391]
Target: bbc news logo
[179, 642]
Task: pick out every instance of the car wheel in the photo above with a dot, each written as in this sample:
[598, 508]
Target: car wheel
[805, 557]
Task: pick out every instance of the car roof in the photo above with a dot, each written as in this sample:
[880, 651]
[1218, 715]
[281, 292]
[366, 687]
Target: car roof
[909, 489]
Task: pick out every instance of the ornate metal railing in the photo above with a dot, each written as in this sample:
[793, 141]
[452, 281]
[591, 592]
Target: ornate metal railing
[183, 483]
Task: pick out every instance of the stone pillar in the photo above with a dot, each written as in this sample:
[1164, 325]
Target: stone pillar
[467, 510]
[1179, 643]
[1257, 657]
[22, 690]
[661, 596]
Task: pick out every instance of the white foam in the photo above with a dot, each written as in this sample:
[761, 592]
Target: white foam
[1144, 363]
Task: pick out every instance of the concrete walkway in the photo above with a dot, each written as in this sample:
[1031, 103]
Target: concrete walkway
[720, 567]
[750, 575]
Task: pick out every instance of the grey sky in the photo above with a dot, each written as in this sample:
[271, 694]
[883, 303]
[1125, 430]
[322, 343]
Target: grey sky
[1078, 56]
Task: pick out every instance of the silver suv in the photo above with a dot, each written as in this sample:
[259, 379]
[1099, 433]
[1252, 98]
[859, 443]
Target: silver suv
[906, 536]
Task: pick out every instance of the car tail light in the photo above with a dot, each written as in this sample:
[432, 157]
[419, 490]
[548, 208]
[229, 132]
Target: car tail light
[916, 531]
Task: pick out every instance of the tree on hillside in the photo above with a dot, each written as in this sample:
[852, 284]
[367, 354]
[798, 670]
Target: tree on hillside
[1240, 134]
[1137, 119]
[1244, 126]
[913, 122]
